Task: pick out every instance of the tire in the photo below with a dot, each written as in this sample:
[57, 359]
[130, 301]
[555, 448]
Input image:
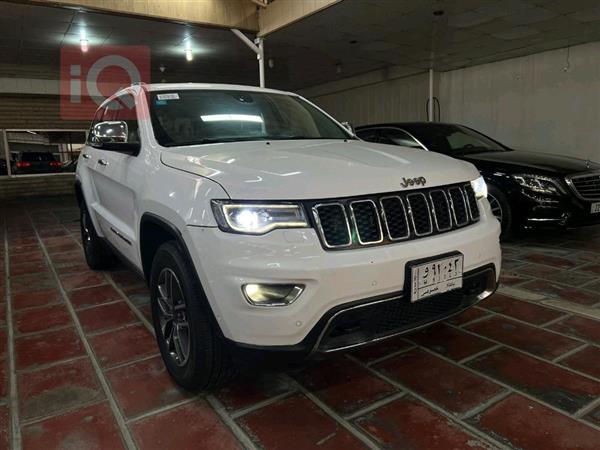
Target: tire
[501, 210]
[188, 337]
[97, 254]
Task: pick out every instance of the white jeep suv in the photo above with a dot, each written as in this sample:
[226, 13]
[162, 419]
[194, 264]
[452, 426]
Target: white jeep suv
[263, 226]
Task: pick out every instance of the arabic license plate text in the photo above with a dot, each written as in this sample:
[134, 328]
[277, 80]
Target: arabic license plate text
[595, 207]
[436, 277]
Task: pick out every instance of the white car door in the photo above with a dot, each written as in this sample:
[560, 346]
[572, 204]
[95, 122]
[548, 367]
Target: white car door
[116, 175]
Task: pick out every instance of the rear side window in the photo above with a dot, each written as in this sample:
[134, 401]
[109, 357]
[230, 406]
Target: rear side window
[395, 136]
[367, 135]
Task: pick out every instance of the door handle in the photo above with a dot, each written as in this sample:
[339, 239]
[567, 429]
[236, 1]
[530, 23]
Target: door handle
[103, 162]
[86, 156]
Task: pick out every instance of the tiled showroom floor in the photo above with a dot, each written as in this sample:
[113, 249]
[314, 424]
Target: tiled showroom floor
[80, 368]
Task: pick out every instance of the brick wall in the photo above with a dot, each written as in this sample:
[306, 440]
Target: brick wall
[28, 186]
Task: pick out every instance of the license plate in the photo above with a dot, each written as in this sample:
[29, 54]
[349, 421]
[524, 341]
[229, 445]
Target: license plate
[595, 207]
[436, 277]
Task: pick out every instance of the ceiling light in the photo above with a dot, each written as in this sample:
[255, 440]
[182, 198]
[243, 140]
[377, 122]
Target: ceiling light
[188, 50]
[231, 118]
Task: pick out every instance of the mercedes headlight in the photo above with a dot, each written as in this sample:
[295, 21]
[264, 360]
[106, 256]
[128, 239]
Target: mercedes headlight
[539, 184]
[255, 218]
[479, 187]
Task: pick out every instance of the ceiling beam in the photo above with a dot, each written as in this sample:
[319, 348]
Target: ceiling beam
[239, 14]
[281, 13]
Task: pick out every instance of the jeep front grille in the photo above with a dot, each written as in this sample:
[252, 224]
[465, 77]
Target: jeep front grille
[587, 186]
[387, 218]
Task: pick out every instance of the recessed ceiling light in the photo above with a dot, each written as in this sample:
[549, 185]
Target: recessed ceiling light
[189, 56]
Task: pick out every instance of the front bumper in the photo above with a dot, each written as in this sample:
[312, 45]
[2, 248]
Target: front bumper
[225, 262]
[543, 211]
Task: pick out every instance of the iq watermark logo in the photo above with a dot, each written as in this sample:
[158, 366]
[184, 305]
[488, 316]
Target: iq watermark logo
[87, 78]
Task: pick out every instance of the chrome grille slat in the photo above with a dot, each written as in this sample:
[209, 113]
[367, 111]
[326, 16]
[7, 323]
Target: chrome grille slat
[420, 214]
[440, 209]
[471, 202]
[458, 205]
[390, 218]
[586, 186]
[329, 230]
[393, 208]
[364, 216]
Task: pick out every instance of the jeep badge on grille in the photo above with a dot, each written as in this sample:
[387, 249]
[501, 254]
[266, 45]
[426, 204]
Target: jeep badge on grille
[418, 181]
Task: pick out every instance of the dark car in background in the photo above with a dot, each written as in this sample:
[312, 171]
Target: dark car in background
[35, 162]
[525, 189]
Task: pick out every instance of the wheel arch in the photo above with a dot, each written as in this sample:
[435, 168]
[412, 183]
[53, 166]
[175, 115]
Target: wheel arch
[155, 231]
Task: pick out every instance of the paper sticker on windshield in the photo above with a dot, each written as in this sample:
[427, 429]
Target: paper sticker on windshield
[170, 96]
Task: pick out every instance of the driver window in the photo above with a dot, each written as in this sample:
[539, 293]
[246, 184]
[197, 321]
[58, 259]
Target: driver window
[125, 110]
[97, 118]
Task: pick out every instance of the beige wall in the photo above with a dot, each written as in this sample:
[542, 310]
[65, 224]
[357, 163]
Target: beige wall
[543, 102]
[538, 102]
[385, 95]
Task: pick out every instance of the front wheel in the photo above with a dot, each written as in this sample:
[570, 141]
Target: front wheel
[190, 343]
[501, 210]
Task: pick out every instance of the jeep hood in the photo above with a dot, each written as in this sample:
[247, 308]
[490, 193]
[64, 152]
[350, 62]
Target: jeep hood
[314, 169]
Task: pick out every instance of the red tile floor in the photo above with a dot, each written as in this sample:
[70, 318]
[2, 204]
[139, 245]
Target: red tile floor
[80, 369]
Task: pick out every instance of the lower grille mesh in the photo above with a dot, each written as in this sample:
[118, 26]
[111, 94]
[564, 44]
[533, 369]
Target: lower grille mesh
[380, 319]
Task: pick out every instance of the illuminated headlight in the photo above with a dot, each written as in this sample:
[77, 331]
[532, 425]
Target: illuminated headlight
[252, 218]
[539, 183]
[272, 294]
[479, 187]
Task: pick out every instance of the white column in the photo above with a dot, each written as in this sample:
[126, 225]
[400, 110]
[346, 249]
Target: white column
[430, 104]
[6, 151]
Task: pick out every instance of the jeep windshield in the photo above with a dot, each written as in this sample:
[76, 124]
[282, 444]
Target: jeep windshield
[191, 117]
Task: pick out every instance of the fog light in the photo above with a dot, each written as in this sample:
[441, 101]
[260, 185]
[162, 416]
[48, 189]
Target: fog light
[272, 294]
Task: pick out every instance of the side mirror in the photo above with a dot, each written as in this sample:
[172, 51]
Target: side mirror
[113, 135]
[349, 127]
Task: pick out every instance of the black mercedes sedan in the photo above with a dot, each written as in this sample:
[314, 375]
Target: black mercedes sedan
[525, 189]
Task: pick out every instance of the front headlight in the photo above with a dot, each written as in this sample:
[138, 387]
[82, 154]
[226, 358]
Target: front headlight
[539, 183]
[254, 218]
[479, 187]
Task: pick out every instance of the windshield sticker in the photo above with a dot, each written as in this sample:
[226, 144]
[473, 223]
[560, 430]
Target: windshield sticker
[171, 96]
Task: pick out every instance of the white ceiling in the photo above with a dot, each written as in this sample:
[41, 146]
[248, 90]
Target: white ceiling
[364, 35]
[349, 38]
